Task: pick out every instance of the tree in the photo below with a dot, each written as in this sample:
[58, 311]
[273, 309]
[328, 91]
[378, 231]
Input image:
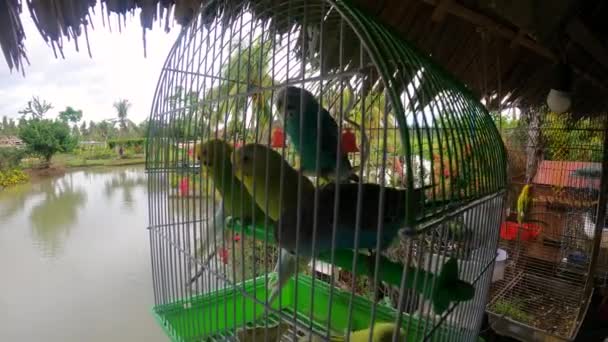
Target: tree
[122, 107]
[46, 137]
[104, 129]
[83, 129]
[142, 128]
[36, 108]
[8, 126]
[75, 131]
[70, 115]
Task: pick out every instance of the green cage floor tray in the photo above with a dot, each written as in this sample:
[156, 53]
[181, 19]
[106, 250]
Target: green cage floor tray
[217, 315]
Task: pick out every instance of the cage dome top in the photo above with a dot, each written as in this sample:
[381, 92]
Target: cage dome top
[416, 125]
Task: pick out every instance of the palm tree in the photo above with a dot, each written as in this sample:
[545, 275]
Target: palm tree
[246, 70]
[122, 107]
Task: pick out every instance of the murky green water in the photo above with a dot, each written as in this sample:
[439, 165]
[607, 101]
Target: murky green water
[74, 259]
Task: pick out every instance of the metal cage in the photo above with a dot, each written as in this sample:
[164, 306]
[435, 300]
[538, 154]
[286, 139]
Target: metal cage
[425, 149]
[549, 265]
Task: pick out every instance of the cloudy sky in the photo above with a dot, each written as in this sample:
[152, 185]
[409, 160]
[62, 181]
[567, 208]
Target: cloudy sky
[117, 70]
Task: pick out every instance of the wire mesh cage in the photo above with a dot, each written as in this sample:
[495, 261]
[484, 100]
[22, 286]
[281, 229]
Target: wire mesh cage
[548, 278]
[313, 176]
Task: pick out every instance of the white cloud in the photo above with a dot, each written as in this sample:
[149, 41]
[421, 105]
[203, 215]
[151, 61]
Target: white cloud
[117, 70]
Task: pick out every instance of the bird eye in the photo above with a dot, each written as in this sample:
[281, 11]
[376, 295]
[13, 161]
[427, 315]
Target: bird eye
[246, 158]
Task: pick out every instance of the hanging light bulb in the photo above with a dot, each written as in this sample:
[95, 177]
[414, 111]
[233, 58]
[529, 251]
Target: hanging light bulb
[559, 99]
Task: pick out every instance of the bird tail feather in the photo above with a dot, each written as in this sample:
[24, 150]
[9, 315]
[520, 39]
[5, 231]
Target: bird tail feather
[450, 288]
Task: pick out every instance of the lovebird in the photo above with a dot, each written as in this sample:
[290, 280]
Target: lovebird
[523, 203]
[215, 155]
[250, 163]
[383, 332]
[392, 214]
[297, 104]
[285, 268]
[236, 203]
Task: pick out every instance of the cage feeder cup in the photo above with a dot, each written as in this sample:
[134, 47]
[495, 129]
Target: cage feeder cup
[349, 141]
[559, 97]
[278, 138]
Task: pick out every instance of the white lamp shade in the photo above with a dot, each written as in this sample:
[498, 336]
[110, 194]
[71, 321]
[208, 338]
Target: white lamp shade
[558, 101]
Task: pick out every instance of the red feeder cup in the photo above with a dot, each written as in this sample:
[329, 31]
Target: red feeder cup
[349, 141]
[184, 186]
[527, 231]
[278, 138]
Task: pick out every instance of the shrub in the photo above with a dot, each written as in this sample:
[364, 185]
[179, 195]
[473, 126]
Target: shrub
[136, 142]
[10, 157]
[98, 152]
[12, 177]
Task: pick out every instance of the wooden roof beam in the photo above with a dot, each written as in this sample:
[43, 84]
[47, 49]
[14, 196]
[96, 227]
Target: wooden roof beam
[439, 11]
[500, 30]
[580, 34]
[508, 33]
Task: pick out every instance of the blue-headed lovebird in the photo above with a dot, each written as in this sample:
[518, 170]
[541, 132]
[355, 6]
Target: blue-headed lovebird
[290, 102]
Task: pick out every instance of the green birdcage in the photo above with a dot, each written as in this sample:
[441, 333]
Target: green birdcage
[412, 141]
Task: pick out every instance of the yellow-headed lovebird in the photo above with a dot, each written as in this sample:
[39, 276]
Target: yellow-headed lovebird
[523, 203]
[300, 106]
[383, 332]
[391, 214]
[214, 155]
[259, 167]
[250, 166]
[237, 203]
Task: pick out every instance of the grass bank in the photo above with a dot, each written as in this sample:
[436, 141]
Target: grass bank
[67, 160]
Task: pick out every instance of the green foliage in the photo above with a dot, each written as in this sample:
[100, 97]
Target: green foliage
[566, 138]
[136, 143]
[8, 126]
[94, 152]
[513, 309]
[70, 115]
[10, 157]
[47, 137]
[12, 177]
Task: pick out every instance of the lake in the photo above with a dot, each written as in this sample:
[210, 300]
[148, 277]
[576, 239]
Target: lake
[75, 259]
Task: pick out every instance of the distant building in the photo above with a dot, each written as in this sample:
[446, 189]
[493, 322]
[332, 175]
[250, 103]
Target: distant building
[10, 141]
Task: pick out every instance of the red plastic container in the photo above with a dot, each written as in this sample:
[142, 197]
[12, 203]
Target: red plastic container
[528, 231]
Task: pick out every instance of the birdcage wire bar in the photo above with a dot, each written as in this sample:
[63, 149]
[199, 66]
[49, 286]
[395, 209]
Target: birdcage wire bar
[415, 125]
[548, 269]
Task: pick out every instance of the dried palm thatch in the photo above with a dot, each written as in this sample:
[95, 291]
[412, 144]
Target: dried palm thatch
[12, 35]
[505, 51]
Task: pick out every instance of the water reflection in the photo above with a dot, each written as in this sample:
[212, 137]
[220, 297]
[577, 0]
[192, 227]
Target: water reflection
[53, 218]
[126, 181]
[73, 249]
[14, 201]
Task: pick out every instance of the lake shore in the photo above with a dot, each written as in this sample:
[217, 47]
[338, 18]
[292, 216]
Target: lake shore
[65, 161]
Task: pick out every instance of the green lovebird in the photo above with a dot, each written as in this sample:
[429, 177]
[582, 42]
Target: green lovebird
[259, 168]
[383, 332]
[237, 203]
[264, 183]
[214, 155]
[299, 105]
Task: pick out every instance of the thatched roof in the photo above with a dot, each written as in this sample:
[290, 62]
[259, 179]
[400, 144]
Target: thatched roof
[498, 48]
